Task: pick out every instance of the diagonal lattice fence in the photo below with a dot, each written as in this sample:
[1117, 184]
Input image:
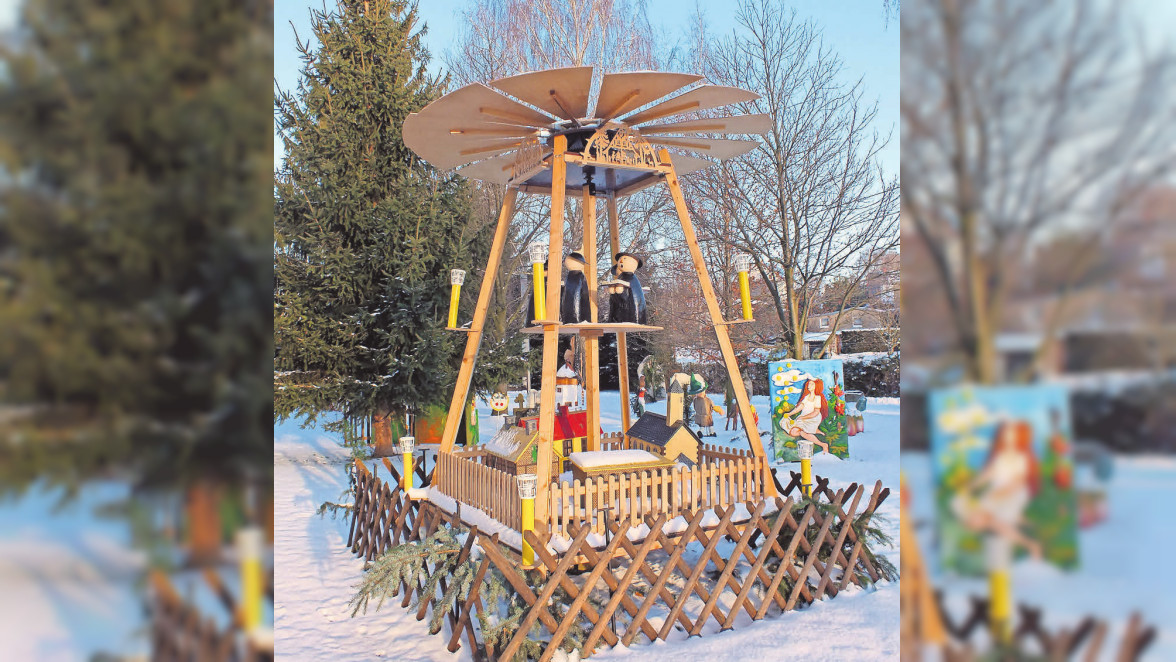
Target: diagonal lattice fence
[723, 565]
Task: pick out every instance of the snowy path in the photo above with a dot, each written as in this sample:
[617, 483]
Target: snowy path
[67, 578]
[316, 575]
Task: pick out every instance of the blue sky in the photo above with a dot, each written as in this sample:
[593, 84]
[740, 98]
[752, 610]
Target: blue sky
[856, 29]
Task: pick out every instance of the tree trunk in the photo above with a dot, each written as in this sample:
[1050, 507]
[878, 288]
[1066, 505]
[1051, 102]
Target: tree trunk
[204, 524]
[383, 443]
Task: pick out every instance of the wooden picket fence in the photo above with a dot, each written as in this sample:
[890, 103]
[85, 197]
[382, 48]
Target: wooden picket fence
[657, 584]
[179, 632]
[465, 477]
[1085, 641]
[718, 482]
[723, 477]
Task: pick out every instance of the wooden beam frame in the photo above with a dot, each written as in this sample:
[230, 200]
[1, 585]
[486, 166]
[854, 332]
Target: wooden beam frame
[622, 347]
[712, 304]
[559, 173]
[591, 340]
[465, 373]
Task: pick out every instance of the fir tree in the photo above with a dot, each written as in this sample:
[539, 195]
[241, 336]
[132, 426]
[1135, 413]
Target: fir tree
[135, 269]
[366, 233]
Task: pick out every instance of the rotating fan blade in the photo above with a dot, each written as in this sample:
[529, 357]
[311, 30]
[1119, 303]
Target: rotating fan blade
[470, 117]
[700, 98]
[684, 164]
[495, 169]
[716, 148]
[622, 92]
[445, 149]
[561, 92]
[739, 124]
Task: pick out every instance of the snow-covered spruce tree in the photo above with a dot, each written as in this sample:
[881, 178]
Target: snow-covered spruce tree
[135, 249]
[365, 233]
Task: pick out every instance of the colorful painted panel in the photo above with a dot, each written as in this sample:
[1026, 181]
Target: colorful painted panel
[808, 402]
[1003, 476]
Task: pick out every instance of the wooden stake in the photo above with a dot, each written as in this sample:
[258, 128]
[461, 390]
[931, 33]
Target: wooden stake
[474, 338]
[559, 171]
[622, 348]
[712, 304]
[591, 341]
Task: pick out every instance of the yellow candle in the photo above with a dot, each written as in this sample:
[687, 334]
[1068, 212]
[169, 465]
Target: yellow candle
[406, 480]
[528, 525]
[249, 549]
[456, 278]
[454, 298]
[1000, 612]
[806, 477]
[539, 286]
[745, 294]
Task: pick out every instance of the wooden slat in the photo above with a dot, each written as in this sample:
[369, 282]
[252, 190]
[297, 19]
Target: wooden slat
[538, 606]
[465, 372]
[716, 315]
[570, 586]
[638, 561]
[692, 580]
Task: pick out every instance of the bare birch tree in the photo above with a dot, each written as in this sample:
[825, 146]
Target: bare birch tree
[1021, 119]
[813, 200]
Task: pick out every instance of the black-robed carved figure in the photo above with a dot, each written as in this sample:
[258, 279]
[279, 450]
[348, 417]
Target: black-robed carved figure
[626, 301]
[574, 305]
[530, 321]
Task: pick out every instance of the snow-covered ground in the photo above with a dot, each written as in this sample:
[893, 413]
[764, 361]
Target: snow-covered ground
[68, 578]
[1125, 560]
[316, 575]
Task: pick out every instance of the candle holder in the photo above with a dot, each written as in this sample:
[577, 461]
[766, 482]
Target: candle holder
[805, 450]
[527, 484]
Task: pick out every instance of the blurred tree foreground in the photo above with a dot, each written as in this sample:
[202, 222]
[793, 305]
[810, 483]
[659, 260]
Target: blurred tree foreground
[135, 259]
[365, 233]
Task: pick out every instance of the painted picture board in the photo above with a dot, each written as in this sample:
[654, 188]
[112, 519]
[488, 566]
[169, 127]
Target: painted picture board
[1002, 455]
[808, 402]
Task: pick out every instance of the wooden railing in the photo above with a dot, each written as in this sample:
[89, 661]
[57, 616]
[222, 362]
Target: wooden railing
[632, 497]
[613, 442]
[464, 477]
[715, 453]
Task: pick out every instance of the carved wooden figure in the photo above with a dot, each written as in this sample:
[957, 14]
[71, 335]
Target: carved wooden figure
[574, 306]
[626, 301]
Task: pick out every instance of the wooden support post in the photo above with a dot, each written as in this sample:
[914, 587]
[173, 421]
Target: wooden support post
[591, 340]
[474, 338]
[712, 304]
[559, 172]
[622, 348]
